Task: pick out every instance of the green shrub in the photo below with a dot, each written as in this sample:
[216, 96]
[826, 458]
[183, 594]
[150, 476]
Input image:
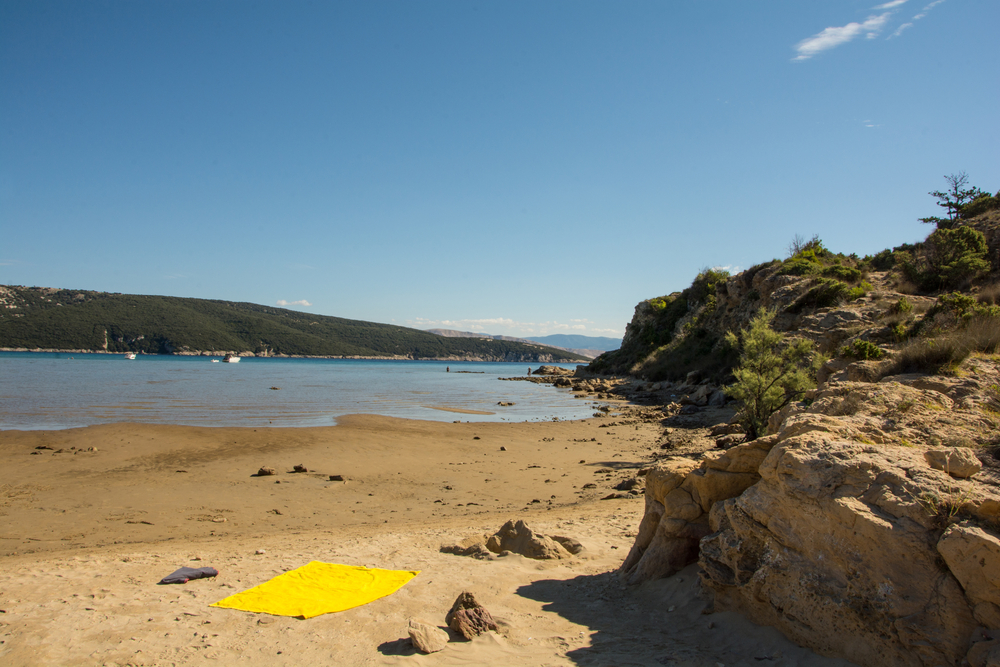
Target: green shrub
[824, 293]
[964, 307]
[901, 307]
[844, 273]
[979, 206]
[862, 349]
[881, 261]
[955, 256]
[798, 267]
[706, 284]
[856, 293]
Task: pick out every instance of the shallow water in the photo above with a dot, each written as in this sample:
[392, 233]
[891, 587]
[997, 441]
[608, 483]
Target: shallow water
[42, 390]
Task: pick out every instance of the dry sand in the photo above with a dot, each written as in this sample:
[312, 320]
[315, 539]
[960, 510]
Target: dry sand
[85, 536]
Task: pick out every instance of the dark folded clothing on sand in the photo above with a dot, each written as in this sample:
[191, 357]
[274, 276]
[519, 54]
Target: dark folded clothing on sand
[186, 574]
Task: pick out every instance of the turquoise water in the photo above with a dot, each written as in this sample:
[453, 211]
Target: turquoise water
[41, 390]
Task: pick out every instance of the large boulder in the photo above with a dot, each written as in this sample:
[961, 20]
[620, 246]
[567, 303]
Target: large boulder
[679, 497]
[837, 546]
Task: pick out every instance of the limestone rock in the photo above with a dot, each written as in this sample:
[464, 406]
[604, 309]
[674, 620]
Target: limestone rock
[469, 618]
[427, 638]
[834, 548]
[266, 471]
[517, 537]
[679, 496]
[959, 462]
[973, 556]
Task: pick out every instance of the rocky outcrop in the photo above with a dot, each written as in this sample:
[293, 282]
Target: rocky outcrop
[838, 547]
[866, 527]
[679, 497]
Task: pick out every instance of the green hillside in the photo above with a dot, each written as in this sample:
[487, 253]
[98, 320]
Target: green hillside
[58, 319]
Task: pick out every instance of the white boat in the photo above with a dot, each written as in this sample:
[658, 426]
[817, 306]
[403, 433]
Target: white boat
[130, 355]
[230, 358]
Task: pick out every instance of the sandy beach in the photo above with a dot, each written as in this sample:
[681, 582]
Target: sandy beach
[92, 518]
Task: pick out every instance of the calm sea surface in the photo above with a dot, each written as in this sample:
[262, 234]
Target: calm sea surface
[41, 390]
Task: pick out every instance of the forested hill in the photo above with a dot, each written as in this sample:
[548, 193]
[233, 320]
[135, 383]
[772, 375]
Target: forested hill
[59, 319]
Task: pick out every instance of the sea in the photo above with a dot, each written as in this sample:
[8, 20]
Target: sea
[52, 390]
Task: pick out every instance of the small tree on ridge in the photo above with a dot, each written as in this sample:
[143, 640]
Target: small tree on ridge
[953, 199]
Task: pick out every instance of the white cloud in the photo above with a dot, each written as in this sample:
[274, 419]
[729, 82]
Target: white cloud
[300, 302]
[891, 5]
[900, 29]
[835, 36]
[916, 17]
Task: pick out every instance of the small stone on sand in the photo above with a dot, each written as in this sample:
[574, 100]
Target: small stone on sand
[426, 638]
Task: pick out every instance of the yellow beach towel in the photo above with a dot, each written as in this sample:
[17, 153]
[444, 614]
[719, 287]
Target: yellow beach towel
[318, 588]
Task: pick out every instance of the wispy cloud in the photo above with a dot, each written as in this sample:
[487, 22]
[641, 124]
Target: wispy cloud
[507, 327]
[871, 28]
[300, 302]
[835, 36]
[916, 17]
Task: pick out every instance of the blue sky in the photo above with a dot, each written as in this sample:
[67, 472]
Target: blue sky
[520, 168]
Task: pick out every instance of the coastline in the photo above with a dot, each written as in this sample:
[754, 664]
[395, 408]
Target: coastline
[544, 359]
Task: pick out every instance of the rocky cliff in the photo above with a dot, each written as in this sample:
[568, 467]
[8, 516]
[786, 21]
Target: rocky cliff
[866, 524]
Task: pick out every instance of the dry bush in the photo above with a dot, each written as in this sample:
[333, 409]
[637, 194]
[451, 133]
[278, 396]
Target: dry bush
[904, 285]
[848, 405]
[943, 355]
[982, 334]
[933, 356]
[989, 294]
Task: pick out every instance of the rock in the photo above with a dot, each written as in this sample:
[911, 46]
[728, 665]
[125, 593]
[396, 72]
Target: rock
[519, 538]
[469, 618]
[692, 377]
[689, 410]
[552, 370]
[727, 441]
[427, 638]
[628, 484]
[863, 371]
[973, 556]
[717, 399]
[473, 546]
[725, 429]
[834, 547]
[569, 544]
[960, 462]
[300, 468]
[266, 471]
[503, 449]
[336, 478]
[984, 654]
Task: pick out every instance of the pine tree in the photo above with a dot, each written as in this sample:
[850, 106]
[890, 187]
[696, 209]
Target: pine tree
[772, 372]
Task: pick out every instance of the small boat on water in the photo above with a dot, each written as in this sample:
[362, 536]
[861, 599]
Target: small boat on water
[231, 358]
[130, 355]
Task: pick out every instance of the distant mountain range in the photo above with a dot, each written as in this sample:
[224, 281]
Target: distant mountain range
[588, 346]
[40, 318]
